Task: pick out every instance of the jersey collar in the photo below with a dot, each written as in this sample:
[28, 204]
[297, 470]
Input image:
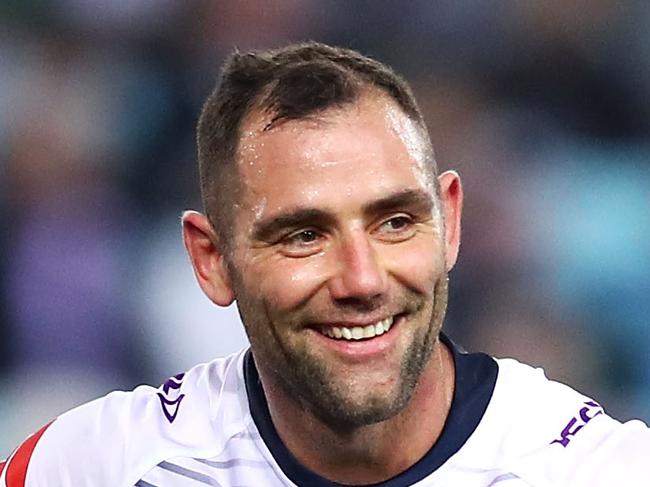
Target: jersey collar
[476, 375]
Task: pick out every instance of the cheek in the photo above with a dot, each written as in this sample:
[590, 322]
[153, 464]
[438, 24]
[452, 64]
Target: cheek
[417, 264]
[288, 284]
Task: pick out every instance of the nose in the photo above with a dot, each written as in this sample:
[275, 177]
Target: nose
[360, 273]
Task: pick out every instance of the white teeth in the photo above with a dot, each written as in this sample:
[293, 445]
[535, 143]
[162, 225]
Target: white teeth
[369, 331]
[359, 332]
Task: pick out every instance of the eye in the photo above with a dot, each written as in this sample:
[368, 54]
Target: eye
[396, 228]
[302, 243]
[397, 223]
[304, 237]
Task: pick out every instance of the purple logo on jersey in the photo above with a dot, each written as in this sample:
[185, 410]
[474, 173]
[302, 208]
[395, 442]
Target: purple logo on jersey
[586, 414]
[169, 405]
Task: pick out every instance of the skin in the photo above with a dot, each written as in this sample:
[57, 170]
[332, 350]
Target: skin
[339, 224]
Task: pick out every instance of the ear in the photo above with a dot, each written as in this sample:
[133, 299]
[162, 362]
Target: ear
[451, 198]
[208, 262]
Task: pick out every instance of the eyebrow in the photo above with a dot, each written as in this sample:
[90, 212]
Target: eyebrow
[266, 229]
[419, 200]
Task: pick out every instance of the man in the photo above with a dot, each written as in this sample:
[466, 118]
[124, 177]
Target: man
[326, 220]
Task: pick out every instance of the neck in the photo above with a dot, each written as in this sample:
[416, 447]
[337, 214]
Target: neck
[372, 453]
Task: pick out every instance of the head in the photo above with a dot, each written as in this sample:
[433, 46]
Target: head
[295, 82]
[327, 222]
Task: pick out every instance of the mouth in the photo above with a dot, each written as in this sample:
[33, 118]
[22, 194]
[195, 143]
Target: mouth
[359, 332]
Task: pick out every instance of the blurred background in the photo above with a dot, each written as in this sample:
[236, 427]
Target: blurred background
[543, 107]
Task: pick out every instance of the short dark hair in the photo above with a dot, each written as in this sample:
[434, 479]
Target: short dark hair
[292, 82]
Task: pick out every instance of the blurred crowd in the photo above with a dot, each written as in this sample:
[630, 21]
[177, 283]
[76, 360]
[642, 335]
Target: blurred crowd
[543, 108]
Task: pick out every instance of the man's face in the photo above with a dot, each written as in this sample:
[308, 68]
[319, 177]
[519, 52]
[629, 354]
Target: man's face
[338, 258]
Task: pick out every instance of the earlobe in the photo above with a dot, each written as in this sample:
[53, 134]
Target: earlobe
[208, 262]
[451, 198]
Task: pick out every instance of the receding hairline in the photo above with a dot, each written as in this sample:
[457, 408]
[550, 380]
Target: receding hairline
[260, 119]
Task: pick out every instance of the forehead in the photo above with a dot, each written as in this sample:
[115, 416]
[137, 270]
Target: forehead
[360, 151]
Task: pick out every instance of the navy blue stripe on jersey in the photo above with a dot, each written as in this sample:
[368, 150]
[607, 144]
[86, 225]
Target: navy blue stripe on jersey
[142, 483]
[476, 375]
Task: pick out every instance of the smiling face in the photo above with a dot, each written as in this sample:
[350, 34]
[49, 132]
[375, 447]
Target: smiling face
[339, 257]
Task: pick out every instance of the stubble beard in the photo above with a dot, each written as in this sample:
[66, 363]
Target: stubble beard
[330, 403]
[307, 379]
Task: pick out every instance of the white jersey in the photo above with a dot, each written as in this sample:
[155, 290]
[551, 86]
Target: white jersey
[508, 426]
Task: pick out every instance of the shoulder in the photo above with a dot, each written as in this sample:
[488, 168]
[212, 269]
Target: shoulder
[550, 434]
[114, 440]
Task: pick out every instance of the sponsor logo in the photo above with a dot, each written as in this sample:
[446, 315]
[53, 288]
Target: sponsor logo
[586, 414]
[170, 399]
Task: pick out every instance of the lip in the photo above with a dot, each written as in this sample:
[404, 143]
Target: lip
[361, 350]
